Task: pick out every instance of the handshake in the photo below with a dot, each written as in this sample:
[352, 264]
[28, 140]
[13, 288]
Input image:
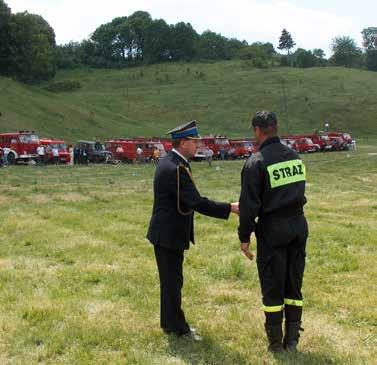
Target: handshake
[235, 208]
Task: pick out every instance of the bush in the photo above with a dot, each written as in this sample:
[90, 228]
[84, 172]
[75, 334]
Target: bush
[62, 86]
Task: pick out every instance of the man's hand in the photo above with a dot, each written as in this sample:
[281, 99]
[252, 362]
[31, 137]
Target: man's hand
[246, 251]
[234, 208]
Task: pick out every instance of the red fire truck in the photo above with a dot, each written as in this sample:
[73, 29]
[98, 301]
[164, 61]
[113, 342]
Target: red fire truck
[23, 146]
[49, 144]
[304, 145]
[126, 149]
[219, 145]
[242, 148]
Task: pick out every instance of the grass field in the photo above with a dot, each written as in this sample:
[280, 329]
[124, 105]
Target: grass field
[147, 101]
[79, 282]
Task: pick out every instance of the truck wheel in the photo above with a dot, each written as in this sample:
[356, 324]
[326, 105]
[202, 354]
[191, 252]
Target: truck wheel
[11, 159]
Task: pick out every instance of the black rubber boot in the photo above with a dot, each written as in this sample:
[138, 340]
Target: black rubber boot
[292, 335]
[275, 337]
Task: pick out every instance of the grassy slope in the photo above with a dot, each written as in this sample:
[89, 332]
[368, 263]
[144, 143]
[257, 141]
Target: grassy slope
[79, 285]
[153, 99]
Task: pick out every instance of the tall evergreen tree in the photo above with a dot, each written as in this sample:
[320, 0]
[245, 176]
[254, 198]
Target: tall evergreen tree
[286, 41]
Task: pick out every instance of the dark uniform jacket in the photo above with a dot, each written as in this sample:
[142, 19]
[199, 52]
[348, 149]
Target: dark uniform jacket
[272, 185]
[175, 200]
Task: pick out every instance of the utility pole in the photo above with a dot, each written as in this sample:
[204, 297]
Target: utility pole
[285, 103]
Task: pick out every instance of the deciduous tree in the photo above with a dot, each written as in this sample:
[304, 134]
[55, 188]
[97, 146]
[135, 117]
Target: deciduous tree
[33, 48]
[369, 38]
[345, 52]
[5, 38]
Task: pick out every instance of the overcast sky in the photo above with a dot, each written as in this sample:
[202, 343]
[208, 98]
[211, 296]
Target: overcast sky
[312, 23]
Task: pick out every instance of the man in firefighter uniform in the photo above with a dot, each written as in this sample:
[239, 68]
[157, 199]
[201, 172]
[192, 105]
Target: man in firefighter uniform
[272, 192]
[171, 226]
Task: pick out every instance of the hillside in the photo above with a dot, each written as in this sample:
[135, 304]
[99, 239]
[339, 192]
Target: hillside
[221, 96]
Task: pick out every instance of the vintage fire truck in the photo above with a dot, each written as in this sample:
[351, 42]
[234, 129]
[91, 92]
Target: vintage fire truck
[23, 146]
[301, 143]
[126, 149]
[219, 145]
[242, 148]
[49, 144]
[305, 145]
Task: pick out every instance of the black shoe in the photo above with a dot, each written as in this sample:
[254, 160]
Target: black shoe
[192, 335]
[275, 337]
[292, 335]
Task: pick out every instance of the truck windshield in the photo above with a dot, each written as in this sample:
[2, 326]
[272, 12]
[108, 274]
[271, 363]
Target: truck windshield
[222, 141]
[29, 138]
[59, 146]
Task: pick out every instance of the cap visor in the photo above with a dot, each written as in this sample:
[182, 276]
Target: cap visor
[194, 137]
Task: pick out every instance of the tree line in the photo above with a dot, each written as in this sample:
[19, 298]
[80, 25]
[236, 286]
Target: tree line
[28, 51]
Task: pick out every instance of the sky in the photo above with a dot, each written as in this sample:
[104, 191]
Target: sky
[312, 23]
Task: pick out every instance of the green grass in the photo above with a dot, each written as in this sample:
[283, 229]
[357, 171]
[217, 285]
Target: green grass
[79, 285]
[150, 100]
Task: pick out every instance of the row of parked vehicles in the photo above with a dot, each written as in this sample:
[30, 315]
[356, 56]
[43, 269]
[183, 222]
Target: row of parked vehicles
[22, 147]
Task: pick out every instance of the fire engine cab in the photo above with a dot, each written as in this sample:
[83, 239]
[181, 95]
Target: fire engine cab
[126, 149]
[49, 144]
[219, 145]
[23, 146]
[242, 148]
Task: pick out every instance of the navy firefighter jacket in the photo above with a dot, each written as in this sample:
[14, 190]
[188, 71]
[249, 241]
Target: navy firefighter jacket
[272, 185]
[175, 200]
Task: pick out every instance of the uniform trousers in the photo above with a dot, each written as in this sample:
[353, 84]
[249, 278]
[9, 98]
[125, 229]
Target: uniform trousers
[281, 247]
[169, 263]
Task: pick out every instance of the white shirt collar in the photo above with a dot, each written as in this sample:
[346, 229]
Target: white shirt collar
[180, 155]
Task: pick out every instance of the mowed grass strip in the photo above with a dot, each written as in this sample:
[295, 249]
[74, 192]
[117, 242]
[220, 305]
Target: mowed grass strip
[79, 283]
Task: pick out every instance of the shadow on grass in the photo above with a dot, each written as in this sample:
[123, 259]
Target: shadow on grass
[304, 358]
[210, 352]
[204, 352]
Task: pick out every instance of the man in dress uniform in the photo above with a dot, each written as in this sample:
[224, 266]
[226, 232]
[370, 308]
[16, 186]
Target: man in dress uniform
[272, 190]
[171, 226]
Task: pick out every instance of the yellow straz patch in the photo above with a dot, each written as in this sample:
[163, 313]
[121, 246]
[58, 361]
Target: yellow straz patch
[287, 172]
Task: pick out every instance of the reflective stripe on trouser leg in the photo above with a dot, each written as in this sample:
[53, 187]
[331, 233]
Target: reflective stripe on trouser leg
[294, 302]
[273, 308]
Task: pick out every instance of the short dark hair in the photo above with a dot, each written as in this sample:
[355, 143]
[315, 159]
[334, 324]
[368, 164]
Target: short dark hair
[266, 121]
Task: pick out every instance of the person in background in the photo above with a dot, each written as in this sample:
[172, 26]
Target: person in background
[209, 156]
[55, 155]
[71, 154]
[156, 155]
[84, 156]
[6, 151]
[76, 155]
[41, 151]
[139, 154]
